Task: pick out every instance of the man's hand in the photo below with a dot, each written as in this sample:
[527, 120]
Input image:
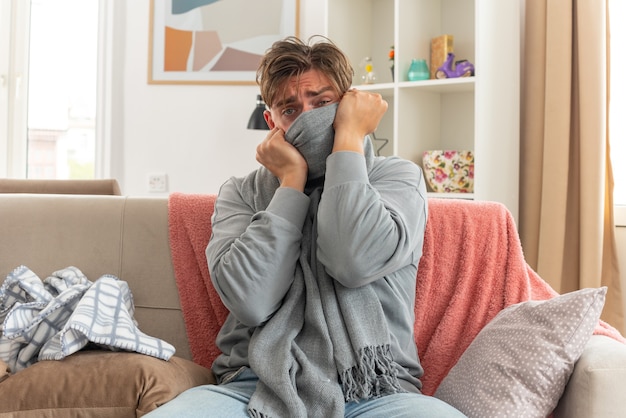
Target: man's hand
[283, 160]
[358, 114]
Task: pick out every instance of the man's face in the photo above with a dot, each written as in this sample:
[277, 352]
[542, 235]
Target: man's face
[310, 90]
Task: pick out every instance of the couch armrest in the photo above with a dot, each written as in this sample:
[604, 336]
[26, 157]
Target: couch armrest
[596, 387]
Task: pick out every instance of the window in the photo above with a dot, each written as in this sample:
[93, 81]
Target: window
[62, 88]
[49, 68]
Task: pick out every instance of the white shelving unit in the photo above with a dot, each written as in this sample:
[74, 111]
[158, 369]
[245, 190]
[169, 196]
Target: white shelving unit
[479, 113]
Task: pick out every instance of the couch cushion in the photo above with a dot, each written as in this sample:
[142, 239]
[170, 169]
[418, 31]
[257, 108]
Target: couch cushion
[4, 370]
[519, 364]
[95, 383]
[100, 235]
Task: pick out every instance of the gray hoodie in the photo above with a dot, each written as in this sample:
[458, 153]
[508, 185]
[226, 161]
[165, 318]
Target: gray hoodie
[371, 221]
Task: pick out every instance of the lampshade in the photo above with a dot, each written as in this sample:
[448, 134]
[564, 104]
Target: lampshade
[257, 121]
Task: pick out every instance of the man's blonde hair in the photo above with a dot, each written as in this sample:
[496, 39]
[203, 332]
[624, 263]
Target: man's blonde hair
[291, 57]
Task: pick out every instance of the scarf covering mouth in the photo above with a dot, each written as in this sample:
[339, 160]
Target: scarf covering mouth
[313, 135]
[316, 352]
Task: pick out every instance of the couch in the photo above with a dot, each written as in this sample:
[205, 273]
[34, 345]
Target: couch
[131, 238]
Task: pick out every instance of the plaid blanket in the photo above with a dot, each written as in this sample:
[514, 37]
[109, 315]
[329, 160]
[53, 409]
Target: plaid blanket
[53, 318]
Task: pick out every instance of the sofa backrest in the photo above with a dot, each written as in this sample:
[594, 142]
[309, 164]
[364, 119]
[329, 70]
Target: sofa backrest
[123, 236]
[93, 186]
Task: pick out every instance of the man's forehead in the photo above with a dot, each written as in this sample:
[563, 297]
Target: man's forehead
[292, 96]
[310, 83]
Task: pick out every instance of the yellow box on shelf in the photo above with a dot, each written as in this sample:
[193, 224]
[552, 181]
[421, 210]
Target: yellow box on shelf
[439, 49]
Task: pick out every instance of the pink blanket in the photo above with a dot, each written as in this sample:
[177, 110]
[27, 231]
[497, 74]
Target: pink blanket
[472, 268]
[203, 311]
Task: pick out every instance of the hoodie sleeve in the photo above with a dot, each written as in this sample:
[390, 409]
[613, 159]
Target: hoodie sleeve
[252, 256]
[370, 225]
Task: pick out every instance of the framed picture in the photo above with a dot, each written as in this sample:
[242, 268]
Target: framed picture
[215, 41]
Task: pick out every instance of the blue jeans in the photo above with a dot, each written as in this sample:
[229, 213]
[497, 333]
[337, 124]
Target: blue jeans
[231, 400]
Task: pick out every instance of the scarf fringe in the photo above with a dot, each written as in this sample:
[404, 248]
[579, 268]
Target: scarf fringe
[257, 414]
[375, 375]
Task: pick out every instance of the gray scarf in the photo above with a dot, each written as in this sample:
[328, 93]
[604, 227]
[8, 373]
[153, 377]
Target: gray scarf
[327, 344]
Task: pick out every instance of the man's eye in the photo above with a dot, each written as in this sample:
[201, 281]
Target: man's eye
[326, 102]
[289, 112]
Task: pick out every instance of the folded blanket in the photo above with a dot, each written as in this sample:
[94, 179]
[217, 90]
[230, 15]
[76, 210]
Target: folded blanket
[472, 267]
[51, 319]
[203, 311]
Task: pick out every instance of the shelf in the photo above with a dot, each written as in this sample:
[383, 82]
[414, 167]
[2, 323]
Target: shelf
[378, 87]
[479, 113]
[447, 85]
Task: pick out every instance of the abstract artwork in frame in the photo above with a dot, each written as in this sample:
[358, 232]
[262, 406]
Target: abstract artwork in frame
[215, 41]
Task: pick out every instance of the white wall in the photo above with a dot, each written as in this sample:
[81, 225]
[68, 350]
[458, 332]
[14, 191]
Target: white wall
[195, 134]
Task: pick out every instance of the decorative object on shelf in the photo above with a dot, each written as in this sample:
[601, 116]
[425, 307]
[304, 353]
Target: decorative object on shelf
[392, 56]
[369, 76]
[452, 69]
[257, 121]
[418, 70]
[449, 171]
[440, 47]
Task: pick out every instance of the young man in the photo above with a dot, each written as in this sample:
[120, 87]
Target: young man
[315, 255]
